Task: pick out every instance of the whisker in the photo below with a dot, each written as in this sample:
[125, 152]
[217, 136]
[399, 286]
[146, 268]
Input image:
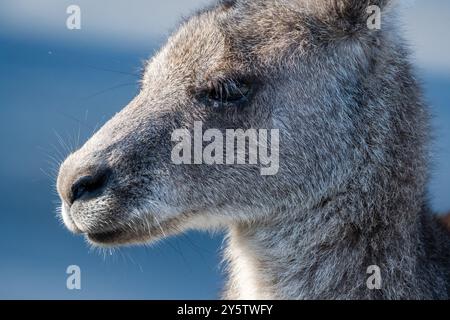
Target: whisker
[160, 227]
[108, 89]
[111, 70]
[61, 142]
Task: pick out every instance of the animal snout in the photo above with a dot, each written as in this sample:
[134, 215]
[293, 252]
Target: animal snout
[83, 183]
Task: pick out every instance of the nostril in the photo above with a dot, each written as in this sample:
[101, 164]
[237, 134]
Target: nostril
[92, 186]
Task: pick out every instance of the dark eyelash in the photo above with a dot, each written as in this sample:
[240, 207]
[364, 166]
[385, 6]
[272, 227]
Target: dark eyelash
[234, 83]
[224, 92]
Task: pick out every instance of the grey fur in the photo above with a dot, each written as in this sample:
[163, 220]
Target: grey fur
[351, 188]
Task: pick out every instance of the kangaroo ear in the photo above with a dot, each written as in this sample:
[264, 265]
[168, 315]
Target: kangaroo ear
[348, 8]
[338, 19]
[227, 3]
[351, 12]
[356, 11]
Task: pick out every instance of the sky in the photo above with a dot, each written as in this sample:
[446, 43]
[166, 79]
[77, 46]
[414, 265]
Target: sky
[134, 23]
[57, 86]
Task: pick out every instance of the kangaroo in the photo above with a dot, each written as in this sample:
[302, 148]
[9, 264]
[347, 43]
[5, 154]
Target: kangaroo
[350, 192]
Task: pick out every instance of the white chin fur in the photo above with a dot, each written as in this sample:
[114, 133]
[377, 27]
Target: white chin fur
[68, 220]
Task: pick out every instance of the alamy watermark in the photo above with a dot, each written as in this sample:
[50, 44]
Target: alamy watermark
[73, 281]
[374, 20]
[235, 146]
[374, 280]
[73, 21]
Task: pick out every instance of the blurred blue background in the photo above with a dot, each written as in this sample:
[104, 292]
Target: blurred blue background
[58, 85]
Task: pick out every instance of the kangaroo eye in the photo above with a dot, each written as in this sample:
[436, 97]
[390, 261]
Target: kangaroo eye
[228, 93]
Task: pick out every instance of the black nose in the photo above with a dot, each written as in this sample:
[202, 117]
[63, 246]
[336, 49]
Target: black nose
[90, 187]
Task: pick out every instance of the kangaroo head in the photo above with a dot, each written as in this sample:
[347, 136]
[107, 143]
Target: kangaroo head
[299, 66]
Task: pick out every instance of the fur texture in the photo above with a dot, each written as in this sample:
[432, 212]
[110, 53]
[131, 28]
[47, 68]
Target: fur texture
[351, 188]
